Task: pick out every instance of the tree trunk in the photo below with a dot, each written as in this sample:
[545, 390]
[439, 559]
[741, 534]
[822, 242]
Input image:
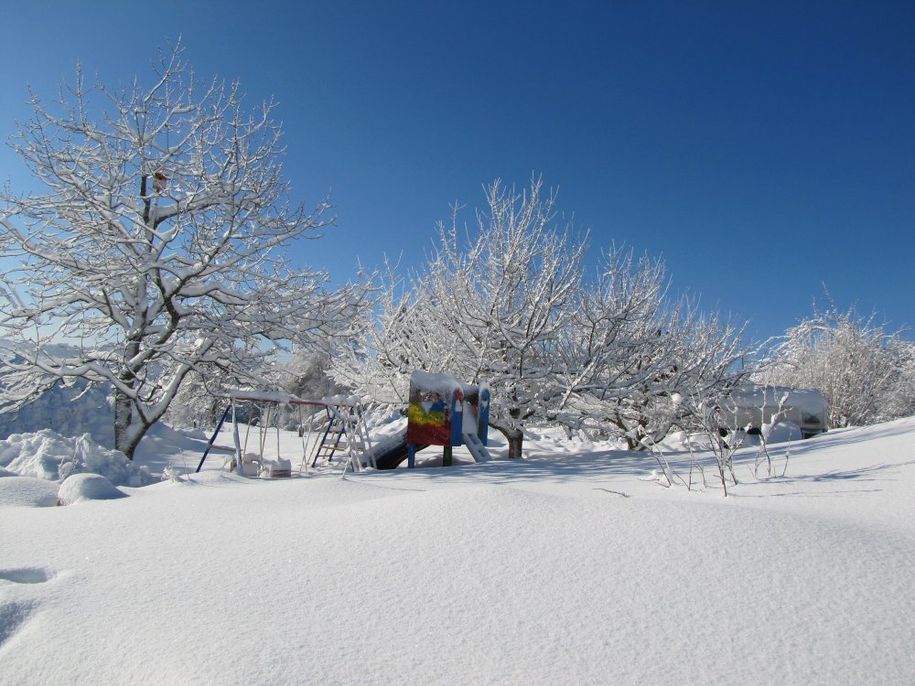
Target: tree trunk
[122, 417]
[515, 441]
[123, 405]
[133, 441]
[129, 427]
[515, 438]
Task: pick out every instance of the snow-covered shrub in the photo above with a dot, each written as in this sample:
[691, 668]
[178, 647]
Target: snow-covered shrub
[781, 432]
[171, 473]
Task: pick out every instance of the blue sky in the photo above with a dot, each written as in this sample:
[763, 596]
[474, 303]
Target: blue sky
[764, 150]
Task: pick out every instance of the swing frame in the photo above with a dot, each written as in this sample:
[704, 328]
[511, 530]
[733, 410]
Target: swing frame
[268, 405]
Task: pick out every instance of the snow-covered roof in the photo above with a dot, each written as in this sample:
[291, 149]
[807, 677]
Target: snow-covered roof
[443, 384]
[808, 400]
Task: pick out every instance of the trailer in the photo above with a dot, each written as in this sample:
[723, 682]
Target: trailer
[751, 407]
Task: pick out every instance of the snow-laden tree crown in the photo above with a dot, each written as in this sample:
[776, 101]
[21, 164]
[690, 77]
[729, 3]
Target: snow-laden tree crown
[156, 245]
[507, 302]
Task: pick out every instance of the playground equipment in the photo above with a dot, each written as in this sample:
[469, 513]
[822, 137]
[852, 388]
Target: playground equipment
[345, 431]
[442, 411]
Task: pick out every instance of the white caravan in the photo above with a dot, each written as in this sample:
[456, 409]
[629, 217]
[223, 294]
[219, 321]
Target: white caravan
[751, 407]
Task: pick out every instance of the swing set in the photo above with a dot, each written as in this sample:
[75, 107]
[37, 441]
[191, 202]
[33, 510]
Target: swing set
[339, 423]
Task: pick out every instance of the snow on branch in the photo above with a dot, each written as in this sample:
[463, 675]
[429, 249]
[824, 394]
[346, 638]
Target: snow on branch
[158, 244]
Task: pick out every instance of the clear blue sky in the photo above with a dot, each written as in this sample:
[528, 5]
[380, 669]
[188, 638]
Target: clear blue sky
[763, 149]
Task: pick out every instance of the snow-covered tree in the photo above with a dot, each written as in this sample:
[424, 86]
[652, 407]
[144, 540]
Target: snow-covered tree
[156, 245]
[505, 297]
[487, 307]
[305, 374]
[710, 360]
[403, 334]
[901, 401]
[635, 358]
[199, 401]
[506, 303]
[857, 364]
[611, 340]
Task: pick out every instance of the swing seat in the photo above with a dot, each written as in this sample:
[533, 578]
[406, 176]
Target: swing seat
[280, 469]
[250, 464]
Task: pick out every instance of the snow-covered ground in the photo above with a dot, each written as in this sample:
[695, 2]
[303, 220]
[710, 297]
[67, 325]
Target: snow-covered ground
[573, 566]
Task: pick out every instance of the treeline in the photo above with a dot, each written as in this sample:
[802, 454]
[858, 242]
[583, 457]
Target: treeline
[507, 301]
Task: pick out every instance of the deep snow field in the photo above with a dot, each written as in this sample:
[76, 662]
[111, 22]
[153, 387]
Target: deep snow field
[574, 566]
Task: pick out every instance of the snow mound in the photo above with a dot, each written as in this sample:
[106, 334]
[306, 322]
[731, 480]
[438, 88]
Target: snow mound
[26, 491]
[80, 487]
[47, 455]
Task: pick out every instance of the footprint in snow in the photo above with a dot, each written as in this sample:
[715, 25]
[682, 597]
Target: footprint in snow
[26, 575]
[12, 616]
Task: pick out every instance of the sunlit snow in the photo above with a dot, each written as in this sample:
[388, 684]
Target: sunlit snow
[571, 566]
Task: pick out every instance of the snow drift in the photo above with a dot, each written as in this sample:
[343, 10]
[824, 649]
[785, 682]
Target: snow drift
[48, 455]
[77, 488]
[569, 567]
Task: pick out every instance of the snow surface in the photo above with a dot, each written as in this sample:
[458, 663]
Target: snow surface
[572, 566]
[27, 491]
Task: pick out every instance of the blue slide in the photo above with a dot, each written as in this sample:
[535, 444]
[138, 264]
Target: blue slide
[391, 456]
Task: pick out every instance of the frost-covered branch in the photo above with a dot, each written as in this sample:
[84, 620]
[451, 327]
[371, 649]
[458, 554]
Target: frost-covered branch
[158, 243]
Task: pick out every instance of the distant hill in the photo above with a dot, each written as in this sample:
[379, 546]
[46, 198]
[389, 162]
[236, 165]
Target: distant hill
[70, 410]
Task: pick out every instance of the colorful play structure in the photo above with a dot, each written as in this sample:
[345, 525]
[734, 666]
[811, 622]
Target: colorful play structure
[441, 412]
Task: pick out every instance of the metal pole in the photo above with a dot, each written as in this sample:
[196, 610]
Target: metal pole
[213, 437]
